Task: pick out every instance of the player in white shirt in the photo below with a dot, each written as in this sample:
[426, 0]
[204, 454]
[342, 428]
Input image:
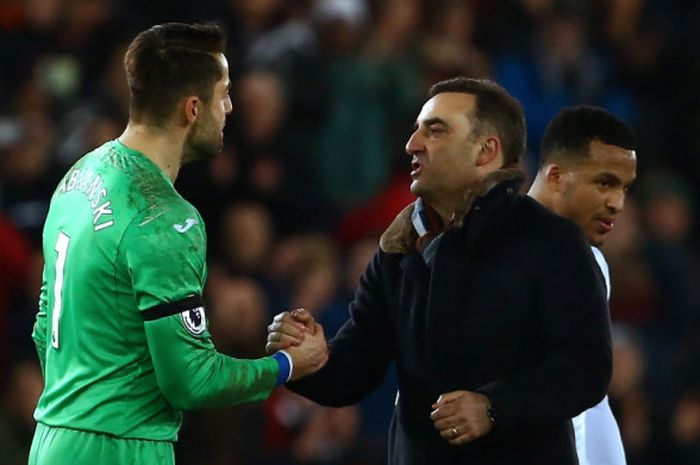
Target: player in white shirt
[587, 163]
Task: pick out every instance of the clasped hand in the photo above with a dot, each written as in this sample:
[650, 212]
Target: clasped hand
[298, 333]
[459, 416]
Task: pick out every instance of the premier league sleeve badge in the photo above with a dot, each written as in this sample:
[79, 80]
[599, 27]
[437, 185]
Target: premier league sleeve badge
[194, 320]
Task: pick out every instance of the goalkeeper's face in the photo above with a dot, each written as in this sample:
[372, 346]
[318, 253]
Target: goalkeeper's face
[206, 138]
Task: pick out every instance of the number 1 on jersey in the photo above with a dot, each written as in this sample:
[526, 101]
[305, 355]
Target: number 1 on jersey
[61, 249]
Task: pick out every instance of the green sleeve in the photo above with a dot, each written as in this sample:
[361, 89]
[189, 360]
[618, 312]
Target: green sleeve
[165, 265]
[39, 333]
[193, 375]
[166, 261]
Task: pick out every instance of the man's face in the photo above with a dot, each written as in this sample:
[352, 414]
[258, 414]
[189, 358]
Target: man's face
[594, 189]
[443, 148]
[206, 138]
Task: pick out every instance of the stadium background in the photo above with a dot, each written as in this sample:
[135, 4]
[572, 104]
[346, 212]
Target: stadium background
[325, 93]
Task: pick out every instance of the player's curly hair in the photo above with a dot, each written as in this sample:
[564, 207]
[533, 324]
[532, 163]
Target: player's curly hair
[168, 62]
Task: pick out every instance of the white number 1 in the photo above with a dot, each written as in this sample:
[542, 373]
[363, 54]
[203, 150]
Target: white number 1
[62, 249]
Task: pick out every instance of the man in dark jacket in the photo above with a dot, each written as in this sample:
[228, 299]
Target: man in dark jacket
[490, 305]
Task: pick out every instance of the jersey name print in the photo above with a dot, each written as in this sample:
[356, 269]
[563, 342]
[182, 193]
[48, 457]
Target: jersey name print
[90, 185]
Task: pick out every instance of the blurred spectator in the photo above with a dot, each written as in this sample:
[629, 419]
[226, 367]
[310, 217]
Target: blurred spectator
[634, 297]
[246, 239]
[449, 50]
[374, 216]
[274, 162]
[371, 84]
[238, 316]
[26, 179]
[308, 266]
[559, 68]
[685, 428]
[16, 412]
[328, 437]
[100, 118]
[15, 256]
[245, 22]
[628, 397]
[300, 432]
[668, 216]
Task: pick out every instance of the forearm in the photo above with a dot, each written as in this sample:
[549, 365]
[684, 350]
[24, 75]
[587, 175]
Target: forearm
[571, 380]
[575, 358]
[193, 375]
[331, 386]
[356, 366]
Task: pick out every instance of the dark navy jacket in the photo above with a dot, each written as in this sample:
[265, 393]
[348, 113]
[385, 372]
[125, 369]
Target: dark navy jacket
[514, 307]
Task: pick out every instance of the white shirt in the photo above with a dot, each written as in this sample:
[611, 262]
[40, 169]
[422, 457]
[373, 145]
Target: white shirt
[598, 440]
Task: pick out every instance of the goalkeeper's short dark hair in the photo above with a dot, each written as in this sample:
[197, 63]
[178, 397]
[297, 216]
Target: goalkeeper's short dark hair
[168, 62]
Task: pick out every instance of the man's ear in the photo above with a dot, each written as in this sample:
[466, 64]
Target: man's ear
[490, 149]
[192, 105]
[554, 176]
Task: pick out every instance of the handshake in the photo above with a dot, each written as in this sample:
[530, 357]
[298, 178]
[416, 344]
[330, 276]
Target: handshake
[302, 338]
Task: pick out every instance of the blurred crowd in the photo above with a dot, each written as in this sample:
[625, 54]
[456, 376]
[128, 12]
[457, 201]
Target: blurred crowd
[325, 94]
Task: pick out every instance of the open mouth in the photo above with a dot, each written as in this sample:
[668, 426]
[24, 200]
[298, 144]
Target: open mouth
[416, 168]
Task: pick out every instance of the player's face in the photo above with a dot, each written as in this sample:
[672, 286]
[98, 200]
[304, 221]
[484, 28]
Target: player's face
[594, 189]
[206, 138]
[443, 148]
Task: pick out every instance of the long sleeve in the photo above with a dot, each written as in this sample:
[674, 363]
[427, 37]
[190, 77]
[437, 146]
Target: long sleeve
[361, 351]
[39, 332]
[168, 283]
[575, 370]
[191, 374]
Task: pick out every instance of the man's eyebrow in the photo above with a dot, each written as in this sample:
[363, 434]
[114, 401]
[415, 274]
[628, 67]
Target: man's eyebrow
[609, 177]
[430, 122]
[435, 120]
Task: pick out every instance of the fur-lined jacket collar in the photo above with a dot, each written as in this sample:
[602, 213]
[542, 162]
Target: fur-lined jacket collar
[401, 236]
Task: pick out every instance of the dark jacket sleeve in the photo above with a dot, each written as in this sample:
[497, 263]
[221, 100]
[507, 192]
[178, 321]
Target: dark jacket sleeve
[360, 352]
[575, 371]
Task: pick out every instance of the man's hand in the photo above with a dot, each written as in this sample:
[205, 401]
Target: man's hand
[311, 355]
[460, 416]
[288, 328]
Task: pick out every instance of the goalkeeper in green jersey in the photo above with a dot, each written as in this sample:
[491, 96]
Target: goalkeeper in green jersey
[121, 330]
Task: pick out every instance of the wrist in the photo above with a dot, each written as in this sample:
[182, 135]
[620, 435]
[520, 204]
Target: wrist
[491, 413]
[286, 367]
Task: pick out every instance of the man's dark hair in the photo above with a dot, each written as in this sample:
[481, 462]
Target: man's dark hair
[170, 61]
[494, 107]
[570, 133]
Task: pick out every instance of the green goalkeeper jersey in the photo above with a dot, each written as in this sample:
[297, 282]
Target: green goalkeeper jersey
[121, 329]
